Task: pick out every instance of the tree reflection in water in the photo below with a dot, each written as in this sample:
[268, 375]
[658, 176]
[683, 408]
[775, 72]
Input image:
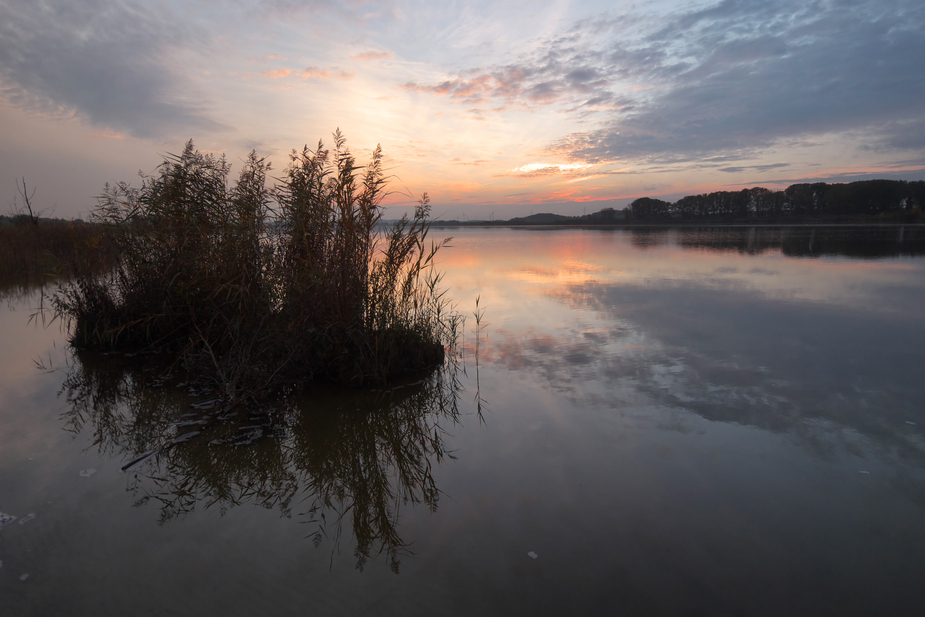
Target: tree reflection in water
[329, 458]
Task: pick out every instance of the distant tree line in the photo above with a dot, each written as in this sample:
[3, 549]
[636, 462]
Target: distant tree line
[864, 198]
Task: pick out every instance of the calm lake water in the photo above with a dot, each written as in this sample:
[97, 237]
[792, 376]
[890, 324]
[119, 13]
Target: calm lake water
[649, 422]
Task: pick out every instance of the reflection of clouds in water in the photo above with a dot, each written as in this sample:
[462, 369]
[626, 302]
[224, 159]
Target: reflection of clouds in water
[723, 324]
[763, 271]
[839, 381]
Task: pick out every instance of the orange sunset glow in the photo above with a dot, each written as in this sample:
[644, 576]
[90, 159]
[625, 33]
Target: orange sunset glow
[494, 110]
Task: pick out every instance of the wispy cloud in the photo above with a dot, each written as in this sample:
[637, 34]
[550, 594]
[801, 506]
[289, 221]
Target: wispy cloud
[735, 78]
[367, 56]
[521, 85]
[107, 61]
[317, 73]
[741, 77]
[537, 170]
[277, 73]
[759, 168]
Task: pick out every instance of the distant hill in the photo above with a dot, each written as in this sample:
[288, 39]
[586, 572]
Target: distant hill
[542, 218]
[607, 216]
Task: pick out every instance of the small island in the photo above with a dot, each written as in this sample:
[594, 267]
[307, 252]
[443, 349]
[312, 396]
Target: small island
[261, 288]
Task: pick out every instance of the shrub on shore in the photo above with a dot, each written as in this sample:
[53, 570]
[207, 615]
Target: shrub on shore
[265, 287]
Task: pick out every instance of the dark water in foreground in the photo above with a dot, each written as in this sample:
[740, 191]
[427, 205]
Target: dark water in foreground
[697, 422]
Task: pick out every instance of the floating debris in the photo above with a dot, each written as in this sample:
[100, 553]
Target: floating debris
[532, 555]
[6, 519]
[189, 423]
[23, 577]
[209, 404]
[911, 423]
[86, 473]
[249, 437]
[26, 519]
[866, 473]
[184, 437]
[138, 461]
[399, 387]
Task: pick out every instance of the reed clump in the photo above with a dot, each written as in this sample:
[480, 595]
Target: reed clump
[267, 287]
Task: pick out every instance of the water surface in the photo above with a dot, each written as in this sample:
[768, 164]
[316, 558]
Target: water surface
[674, 422]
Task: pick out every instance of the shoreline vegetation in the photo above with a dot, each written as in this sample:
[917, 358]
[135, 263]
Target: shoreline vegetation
[867, 202]
[37, 250]
[264, 288]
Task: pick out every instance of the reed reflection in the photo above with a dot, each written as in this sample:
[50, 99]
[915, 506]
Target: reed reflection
[343, 462]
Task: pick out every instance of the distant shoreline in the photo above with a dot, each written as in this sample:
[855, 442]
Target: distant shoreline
[675, 224]
[866, 202]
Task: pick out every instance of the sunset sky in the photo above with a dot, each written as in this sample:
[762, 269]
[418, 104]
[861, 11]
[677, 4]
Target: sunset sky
[495, 108]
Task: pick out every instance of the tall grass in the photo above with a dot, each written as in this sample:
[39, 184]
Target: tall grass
[267, 287]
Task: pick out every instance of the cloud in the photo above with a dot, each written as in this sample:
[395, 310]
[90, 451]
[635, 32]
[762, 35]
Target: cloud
[759, 168]
[538, 170]
[373, 55]
[744, 76]
[520, 84]
[734, 78]
[108, 61]
[277, 73]
[316, 73]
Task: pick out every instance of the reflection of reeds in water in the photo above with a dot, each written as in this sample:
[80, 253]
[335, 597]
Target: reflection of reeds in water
[479, 314]
[264, 299]
[350, 465]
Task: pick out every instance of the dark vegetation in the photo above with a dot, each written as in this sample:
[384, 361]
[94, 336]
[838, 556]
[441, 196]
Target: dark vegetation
[34, 250]
[606, 216]
[868, 201]
[266, 288]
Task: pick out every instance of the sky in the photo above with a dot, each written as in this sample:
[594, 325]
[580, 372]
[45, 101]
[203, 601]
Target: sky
[495, 109]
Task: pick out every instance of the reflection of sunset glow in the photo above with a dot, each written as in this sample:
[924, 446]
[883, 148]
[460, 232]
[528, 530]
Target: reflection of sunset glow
[573, 273]
[449, 258]
[547, 270]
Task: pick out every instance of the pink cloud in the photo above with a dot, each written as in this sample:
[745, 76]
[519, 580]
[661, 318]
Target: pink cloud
[277, 73]
[313, 72]
[373, 55]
